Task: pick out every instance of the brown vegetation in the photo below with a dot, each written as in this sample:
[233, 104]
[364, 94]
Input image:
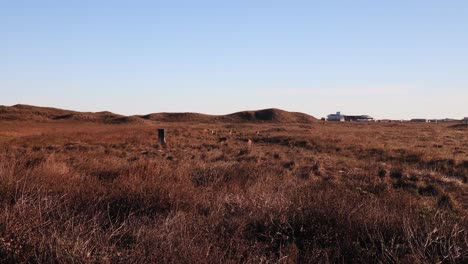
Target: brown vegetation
[78, 190]
[34, 113]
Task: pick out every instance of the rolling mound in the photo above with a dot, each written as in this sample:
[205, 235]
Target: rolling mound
[42, 114]
[37, 113]
[28, 112]
[268, 115]
[178, 117]
[271, 115]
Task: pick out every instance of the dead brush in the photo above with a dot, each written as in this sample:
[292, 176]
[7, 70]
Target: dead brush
[436, 240]
[117, 199]
[429, 190]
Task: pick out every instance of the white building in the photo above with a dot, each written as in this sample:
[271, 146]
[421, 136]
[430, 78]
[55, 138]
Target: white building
[336, 117]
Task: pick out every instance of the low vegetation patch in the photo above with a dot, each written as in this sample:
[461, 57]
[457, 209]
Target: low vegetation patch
[110, 193]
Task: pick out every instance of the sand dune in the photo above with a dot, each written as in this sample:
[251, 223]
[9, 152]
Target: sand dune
[36, 113]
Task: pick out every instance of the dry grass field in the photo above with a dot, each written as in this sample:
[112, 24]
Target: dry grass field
[77, 190]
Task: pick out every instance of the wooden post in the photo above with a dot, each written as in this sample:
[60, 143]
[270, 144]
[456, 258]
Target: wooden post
[162, 136]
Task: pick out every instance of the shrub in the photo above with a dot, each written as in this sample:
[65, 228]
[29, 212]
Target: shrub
[445, 201]
[396, 173]
[428, 190]
[405, 184]
[289, 165]
[382, 172]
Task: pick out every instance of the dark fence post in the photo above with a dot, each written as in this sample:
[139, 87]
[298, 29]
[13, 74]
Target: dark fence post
[162, 136]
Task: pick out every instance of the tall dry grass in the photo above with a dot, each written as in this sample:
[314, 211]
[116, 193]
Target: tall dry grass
[110, 194]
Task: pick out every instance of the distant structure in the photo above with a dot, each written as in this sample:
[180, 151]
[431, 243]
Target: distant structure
[359, 118]
[351, 118]
[465, 120]
[336, 117]
[419, 120]
[445, 120]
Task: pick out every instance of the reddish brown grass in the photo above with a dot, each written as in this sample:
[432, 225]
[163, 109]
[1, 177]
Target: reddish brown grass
[73, 191]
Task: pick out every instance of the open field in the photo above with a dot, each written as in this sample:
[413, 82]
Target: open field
[309, 192]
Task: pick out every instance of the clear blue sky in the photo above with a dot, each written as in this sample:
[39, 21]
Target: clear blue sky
[389, 59]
